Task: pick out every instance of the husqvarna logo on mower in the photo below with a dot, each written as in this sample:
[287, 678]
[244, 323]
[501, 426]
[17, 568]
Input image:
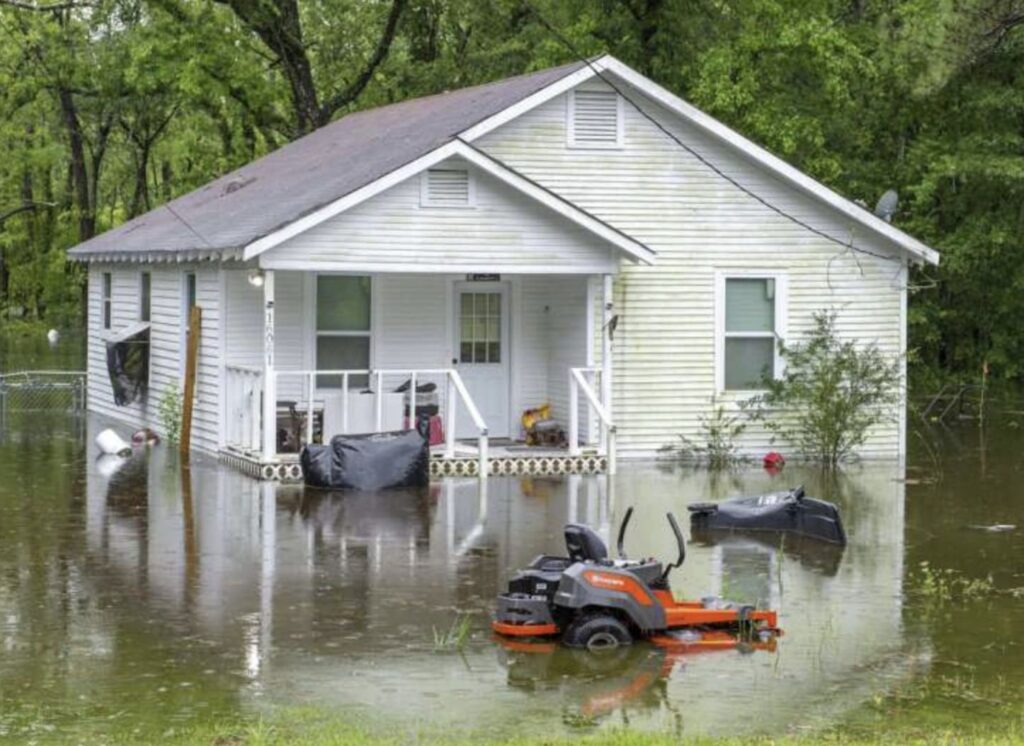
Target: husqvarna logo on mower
[606, 581]
[616, 583]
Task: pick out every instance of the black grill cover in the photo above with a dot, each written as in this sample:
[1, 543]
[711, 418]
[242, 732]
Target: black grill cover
[368, 462]
[789, 511]
[128, 364]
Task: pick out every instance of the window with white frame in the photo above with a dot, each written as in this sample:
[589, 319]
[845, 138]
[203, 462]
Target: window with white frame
[342, 327]
[594, 119]
[107, 299]
[752, 310]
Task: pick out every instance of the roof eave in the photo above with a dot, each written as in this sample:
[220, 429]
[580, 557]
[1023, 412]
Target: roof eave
[177, 256]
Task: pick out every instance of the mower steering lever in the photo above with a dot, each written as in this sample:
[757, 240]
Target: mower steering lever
[682, 547]
[622, 531]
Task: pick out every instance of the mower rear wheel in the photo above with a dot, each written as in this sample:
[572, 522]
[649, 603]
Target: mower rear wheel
[597, 632]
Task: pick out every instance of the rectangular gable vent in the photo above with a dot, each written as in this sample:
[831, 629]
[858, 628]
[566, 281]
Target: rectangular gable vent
[446, 187]
[595, 119]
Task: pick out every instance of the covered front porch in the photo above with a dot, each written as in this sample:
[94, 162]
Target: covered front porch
[309, 355]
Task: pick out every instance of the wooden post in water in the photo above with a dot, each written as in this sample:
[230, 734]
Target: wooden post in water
[195, 323]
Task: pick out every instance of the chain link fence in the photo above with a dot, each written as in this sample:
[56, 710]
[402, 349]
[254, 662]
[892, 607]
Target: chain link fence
[42, 391]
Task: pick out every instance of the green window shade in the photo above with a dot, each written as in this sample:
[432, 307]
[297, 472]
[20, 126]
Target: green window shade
[342, 353]
[749, 305]
[747, 361]
[342, 304]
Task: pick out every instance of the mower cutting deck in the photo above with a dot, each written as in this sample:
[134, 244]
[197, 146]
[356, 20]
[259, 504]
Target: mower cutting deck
[595, 602]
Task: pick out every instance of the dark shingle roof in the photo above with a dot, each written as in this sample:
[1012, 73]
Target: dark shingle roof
[269, 193]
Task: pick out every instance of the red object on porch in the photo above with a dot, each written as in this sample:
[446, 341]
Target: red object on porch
[435, 430]
[774, 462]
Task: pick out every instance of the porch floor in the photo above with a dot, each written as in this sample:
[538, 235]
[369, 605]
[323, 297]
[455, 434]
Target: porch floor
[505, 457]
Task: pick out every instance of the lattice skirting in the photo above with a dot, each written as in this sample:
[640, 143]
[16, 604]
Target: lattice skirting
[527, 466]
[271, 472]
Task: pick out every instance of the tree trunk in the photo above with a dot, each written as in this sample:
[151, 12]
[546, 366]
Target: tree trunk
[79, 172]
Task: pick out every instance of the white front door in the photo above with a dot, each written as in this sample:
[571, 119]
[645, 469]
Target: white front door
[481, 354]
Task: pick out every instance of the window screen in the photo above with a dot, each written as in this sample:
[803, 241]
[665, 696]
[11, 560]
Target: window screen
[749, 332]
[342, 327]
[107, 300]
[145, 296]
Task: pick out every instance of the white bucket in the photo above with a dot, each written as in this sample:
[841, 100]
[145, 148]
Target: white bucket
[112, 443]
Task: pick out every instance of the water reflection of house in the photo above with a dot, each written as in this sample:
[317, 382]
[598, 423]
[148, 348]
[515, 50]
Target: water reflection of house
[332, 599]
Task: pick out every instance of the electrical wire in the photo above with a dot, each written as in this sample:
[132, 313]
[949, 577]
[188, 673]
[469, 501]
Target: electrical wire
[589, 62]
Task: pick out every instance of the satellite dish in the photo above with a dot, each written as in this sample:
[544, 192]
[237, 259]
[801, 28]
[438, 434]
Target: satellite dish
[887, 205]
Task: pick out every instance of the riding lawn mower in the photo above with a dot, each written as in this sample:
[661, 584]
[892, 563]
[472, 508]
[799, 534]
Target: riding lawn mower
[592, 601]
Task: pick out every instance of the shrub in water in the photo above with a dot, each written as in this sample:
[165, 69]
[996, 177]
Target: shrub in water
[831, 394]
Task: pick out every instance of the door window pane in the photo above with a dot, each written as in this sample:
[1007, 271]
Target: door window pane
[342, 303]
[749, 305]
[342, 353]
[480, 328]
[747, 361]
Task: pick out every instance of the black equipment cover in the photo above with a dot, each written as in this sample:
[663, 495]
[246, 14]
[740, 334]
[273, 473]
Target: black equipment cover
[368, 462]
[128, 364]
[777, 511]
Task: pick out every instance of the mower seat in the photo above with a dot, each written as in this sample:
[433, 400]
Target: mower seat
[583, 544]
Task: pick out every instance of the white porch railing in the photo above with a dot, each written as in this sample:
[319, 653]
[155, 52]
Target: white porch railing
[301, 388]
[585, 380]
[243, 401]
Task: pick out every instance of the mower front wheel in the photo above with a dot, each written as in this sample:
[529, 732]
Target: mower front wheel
[597, 632]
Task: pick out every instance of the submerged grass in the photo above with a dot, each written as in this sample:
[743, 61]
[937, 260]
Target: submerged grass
[318, 728]
[455, 637]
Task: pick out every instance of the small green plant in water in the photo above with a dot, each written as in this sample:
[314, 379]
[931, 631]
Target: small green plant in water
[169, 410]
[946, 585]
[455, 637]
[717, 444]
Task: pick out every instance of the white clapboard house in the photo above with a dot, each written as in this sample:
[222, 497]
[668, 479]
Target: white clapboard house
[578, 236]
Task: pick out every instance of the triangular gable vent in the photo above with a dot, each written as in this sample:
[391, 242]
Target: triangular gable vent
[447, 187]
[595, 119]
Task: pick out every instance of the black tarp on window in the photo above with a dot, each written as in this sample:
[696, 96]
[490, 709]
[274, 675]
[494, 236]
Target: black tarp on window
[128, 363]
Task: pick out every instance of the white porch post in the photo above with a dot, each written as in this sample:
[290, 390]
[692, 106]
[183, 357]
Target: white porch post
[607, 314]
[269, 380]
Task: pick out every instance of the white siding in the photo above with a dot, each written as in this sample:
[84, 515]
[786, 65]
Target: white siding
[243, 328]
[166, 359]
[699, 223]
[504, 231]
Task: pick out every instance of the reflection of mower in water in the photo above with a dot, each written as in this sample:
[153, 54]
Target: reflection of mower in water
[595, 602]
[599, 684]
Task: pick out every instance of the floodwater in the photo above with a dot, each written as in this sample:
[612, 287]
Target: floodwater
[139, 592]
